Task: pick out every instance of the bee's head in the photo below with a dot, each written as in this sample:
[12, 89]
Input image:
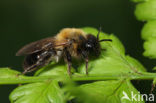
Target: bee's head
[92, 44]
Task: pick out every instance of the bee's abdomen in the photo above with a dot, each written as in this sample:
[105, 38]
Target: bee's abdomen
[37, 60]
[30, 60]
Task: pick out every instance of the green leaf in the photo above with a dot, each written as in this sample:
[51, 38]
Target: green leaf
[112, 60]
[149, 30]
[139, 0]
[153, 84]
[146, 10]
[149, 34]
[106, 92]
[154, 81]
[150, 48]
[154, 68]
[41, 92]
[8, 73]
[135, 63]
[56, 69]
[9, 76]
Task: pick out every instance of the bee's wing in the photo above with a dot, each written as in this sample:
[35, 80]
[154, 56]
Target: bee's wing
[36, 46]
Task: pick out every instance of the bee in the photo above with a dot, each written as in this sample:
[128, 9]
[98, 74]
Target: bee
[69, 43]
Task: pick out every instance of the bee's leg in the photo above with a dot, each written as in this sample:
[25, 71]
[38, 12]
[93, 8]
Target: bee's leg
[86, 61]
[98, 33]
[31, 68]
[85, 57]
[44, 59]
[68, 59]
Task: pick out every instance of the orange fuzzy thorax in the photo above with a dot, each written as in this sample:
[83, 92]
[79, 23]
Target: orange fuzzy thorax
[68, 34]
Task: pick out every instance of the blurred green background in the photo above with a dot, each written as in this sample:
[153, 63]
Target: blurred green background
[24, 21]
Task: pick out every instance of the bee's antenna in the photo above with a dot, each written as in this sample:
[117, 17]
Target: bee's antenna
[98, 33]
[102, 39]
[105, 40]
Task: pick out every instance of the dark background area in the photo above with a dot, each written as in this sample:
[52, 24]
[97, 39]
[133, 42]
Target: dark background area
[24, 21]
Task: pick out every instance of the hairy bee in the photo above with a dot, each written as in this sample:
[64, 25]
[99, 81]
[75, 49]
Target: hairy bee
[68, 43]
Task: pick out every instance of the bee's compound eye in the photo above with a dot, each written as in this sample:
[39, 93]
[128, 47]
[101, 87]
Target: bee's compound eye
[88, 45]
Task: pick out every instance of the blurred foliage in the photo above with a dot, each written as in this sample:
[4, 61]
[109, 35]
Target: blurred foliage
[26, 21]
[106, 92]
[146, 11]
[48, 92]
[112, 62]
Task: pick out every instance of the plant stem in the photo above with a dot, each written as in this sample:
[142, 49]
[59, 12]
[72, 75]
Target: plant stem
[143, 76]
[31, 79]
